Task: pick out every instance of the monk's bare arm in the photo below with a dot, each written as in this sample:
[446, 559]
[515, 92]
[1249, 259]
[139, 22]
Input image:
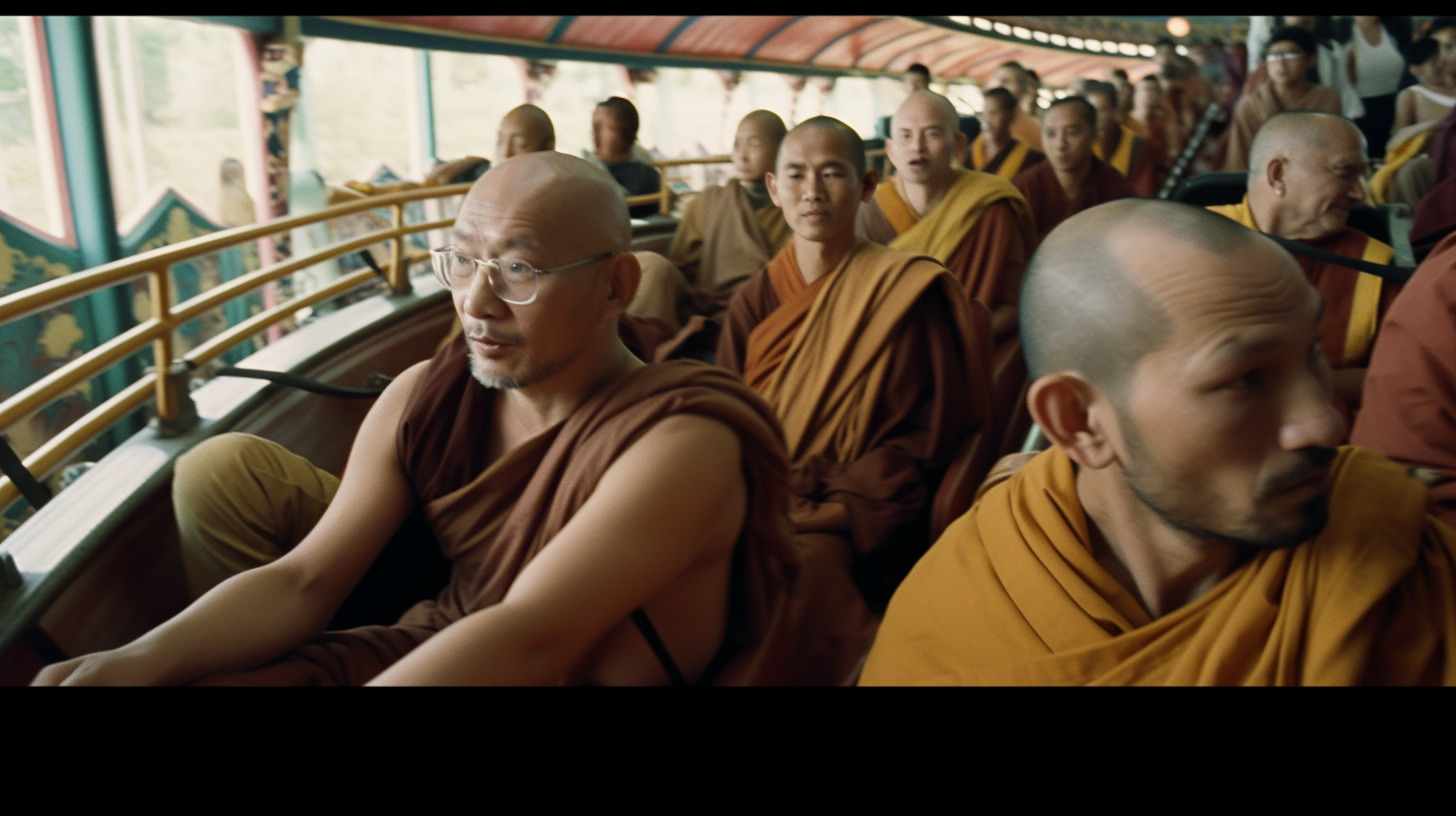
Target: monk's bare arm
[261, 614]
[675, 500]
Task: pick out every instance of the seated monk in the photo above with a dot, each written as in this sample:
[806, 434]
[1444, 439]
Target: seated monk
[538, 453]
[614, 132]
[1410, 392]
[871, 358]
[1193, 523]
[1154, 119]
[1290, 55]
[727, 233]
[976, 224]
[525, 129]
[1015, 78]
[1072, 178]
[1133, 156]
[1305, 175]
[1407, 173]
[995, 150]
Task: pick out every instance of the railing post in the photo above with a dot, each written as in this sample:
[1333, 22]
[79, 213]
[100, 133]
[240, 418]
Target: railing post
[175, 381]
[399, 282]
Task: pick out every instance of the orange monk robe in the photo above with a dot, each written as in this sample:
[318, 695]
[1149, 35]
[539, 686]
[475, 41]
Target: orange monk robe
[727, 233]
[1355, 302]
[1409, 408]
[983, 232]
[1012, 594]
[1009, 162]
[1050, 205]
[875, 371]
[1137, 159]
[1256, 108]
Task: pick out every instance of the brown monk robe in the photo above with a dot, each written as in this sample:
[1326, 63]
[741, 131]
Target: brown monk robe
[1009, 162]
[493, 518]
[1134, 156]
[983, 232]
[873, 370]
[1049, 202]
[727, 233]
[1409, 412]
[1072, 179]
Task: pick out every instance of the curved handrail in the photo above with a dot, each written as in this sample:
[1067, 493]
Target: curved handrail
[156, 329]
[168, 388]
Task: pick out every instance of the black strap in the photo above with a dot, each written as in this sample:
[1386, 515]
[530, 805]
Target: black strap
[11, 465]
[302, 383]
[1398, 274]
[649, 633]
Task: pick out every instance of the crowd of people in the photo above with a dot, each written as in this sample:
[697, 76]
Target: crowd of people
[613, 511]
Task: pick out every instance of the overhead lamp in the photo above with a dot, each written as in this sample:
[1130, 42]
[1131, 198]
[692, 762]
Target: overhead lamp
[1023, 33]
[1002, 29]
[1075, 42]
[1040, 36]
[1059, 40]
[1179, 26]
[1093, 45]
[963, 19]
[1146, 50]
[981, 23]
[1127, 49]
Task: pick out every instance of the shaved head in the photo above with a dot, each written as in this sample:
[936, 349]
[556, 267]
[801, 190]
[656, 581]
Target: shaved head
[1084, 301]
[1295, 133]
[854, 145]
[932, 102]
[554, 188]
[768, 124]
[526, 129]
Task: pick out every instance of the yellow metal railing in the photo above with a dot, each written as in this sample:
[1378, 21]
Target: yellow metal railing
[165, 318]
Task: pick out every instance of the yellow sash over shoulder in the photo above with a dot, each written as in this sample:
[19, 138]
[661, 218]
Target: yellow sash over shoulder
[1012, 594]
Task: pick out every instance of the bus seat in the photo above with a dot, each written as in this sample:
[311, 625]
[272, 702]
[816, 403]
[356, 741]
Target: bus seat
[1214, 189]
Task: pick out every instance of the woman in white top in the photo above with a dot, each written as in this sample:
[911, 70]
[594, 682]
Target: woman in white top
[1377, 65]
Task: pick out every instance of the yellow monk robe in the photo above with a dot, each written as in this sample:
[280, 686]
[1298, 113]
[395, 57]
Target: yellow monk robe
[727, 234]
[1396, 158]
[1008, 162]
[1355, 302]
[1012, 594]
[1026, 128]
[1133, 158]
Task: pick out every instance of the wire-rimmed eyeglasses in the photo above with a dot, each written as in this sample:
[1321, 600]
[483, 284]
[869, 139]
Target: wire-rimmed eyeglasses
[513, 281]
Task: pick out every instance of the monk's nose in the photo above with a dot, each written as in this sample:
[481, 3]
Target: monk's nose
[1311, 419]
[480, 300]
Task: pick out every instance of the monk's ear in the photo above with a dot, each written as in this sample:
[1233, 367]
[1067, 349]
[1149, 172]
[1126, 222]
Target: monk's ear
[624, 275]
[773, 188]
[1073, 414]
[1274, 174]
[867, 185]
[961, 143]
